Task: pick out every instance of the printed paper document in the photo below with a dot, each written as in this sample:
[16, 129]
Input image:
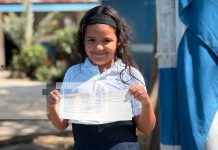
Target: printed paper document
[104, 106]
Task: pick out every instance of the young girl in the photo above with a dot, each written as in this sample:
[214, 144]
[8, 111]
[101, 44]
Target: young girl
[105, 62]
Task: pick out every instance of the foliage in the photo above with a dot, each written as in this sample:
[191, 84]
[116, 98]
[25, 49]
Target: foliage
[21, 30]
[14, 26]
[50, 73]
[30, 53]
[45, 26]
[63, 40]
[30, 58]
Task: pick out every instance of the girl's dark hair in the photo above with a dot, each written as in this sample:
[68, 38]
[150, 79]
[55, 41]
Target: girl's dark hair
[122, 32]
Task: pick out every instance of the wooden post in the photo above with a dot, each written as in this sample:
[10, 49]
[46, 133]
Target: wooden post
[2, 47]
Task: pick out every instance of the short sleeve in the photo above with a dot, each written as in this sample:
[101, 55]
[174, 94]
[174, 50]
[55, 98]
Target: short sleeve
[139, 79]
[66, 85]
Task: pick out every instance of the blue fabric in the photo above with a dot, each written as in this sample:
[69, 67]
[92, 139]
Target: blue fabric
[197, 91]
[197, 72]
[189, 93]
[168, 109]
[200, 17]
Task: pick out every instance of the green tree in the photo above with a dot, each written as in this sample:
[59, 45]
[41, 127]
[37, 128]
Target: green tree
[20, 28]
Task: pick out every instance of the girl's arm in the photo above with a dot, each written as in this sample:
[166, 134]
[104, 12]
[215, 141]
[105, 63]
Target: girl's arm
[145, 122]
[53, 100]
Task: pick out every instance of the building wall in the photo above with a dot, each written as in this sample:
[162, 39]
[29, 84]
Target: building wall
[140, 15]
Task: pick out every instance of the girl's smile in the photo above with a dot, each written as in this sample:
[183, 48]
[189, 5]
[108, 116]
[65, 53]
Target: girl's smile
[100, 45]
[99, 53]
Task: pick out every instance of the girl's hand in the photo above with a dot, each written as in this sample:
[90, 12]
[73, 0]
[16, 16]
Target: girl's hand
[52, 109]
[145, 122]
[53, 98]
[140, 94]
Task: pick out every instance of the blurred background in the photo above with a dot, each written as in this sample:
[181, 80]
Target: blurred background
[35, 51]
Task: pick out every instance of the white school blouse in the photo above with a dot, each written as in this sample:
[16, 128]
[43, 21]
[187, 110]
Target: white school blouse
[94, 81]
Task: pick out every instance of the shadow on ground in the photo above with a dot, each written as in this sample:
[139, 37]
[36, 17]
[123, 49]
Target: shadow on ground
[52, 141]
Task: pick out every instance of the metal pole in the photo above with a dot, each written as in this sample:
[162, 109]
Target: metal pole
[2, 47]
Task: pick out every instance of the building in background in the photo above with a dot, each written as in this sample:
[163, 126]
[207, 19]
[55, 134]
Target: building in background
[140, 16]
[40, 7]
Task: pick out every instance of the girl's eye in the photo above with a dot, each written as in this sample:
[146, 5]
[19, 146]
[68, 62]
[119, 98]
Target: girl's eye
[91, 40]
[107, 40]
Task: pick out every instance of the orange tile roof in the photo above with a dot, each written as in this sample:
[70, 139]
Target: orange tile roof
[47, 1]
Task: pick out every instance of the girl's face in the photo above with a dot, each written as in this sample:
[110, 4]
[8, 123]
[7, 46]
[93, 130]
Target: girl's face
[100, 45]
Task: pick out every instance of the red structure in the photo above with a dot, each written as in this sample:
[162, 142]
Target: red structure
[47, 1]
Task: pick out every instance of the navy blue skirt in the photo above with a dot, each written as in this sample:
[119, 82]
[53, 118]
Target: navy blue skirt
[119, 135]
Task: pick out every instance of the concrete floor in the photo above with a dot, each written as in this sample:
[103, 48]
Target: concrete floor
[23, 121]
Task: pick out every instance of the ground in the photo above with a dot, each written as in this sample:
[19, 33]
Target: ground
[23, 121]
